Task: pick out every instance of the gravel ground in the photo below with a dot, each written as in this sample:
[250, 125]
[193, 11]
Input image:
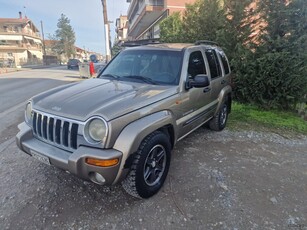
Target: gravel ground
[217, 180]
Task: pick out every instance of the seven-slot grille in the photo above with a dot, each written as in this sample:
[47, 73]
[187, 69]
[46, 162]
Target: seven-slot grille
[55, 130]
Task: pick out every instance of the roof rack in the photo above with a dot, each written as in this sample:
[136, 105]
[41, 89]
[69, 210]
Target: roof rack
[140, 42]
[205, 42]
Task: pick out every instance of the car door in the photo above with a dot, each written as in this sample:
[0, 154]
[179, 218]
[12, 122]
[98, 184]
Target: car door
[217, 75]
[195, 102]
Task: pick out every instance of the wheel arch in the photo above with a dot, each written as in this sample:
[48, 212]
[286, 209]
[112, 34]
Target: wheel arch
[133, 134]
[170, 132]
[225, 94]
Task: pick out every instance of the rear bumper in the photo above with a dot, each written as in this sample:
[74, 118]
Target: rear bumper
[71, 162]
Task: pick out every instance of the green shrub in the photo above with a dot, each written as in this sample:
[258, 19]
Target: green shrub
[273, 80]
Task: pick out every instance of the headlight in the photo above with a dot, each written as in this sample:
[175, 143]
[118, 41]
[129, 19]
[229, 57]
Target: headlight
[28, 112]
[96, 130]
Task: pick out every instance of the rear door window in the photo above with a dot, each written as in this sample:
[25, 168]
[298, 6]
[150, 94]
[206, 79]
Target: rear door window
[213, 61]
[224, 62]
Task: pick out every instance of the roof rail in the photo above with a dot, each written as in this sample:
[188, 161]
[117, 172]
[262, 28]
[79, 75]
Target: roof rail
[140, 42]
[205, 42]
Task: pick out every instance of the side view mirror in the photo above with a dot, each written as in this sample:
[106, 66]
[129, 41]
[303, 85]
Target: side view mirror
[199, 81]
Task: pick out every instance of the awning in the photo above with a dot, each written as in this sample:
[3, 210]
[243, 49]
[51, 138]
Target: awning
[34, 39]
[37, 40]
[11, 37]
[38, 54]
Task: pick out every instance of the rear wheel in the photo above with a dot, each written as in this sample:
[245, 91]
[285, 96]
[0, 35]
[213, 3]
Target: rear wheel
[218, 122]
[150, 166]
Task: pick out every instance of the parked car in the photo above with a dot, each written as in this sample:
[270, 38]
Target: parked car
[73, 64]
[122, 125]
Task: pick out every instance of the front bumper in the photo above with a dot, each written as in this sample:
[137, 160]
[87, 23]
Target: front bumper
[72, 162]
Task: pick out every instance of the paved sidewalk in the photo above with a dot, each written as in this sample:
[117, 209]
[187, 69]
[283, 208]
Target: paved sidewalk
[9, 70]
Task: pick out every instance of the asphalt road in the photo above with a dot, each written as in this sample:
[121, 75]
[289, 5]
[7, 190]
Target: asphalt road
[17, 87]
[217, 180]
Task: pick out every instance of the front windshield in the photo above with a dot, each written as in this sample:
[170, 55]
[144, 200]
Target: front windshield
[150, 66]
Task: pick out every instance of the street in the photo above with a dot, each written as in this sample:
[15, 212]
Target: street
[17, 87]
[217, 180]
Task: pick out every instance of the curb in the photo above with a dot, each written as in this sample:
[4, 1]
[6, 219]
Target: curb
[7, 70]
[11, 70]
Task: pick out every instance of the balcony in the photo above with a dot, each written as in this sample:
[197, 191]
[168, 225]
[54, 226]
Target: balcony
[22, 46]
[142, 14]
[20, 32]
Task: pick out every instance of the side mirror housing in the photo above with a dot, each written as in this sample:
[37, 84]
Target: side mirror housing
[199, 81]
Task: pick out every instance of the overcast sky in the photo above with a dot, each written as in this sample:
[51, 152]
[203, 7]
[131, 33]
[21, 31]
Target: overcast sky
[85, 16]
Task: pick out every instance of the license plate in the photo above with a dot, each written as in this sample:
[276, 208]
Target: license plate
[40, 157]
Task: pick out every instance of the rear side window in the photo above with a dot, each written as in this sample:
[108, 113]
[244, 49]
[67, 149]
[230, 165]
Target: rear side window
[214, 65]
[225, 62]
[196, 64]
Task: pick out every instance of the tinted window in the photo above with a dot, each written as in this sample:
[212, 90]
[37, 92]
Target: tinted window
[214, 65]
[225, 62]
[196, 64]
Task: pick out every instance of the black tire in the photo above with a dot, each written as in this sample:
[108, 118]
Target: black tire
[218, 122]
[150, 166]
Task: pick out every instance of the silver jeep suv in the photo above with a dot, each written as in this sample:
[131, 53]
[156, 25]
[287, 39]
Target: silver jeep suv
[122, 125]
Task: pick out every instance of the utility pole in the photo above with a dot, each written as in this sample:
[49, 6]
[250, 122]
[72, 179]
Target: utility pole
[107, 30]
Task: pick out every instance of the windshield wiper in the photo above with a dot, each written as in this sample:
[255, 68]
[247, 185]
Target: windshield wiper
[110, 76]
[142, 78]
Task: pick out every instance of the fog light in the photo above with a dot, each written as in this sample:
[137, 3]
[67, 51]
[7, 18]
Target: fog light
[96, 178]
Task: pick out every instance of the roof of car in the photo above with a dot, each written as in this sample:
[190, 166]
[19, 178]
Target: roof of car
[170, 46]
[73, 60]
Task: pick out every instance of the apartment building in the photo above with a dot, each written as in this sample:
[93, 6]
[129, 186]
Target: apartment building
[20, 42]
[121, 29]
[144, 16]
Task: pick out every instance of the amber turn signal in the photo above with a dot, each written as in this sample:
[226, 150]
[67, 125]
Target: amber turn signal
[101, 163]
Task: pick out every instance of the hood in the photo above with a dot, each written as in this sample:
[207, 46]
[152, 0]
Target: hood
[107, 98]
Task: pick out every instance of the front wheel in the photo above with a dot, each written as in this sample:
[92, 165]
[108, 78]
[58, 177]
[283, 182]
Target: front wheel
[150, 166]
[218, 122]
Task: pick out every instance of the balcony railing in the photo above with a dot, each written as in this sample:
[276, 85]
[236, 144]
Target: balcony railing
[20, 46]
[19, 32]
[137, 7]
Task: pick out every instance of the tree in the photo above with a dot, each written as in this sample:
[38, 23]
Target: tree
[297, 26]
[266, 42]
[235, 36]
[171, 29]
[203, 20]
[275, 74]
[65, 36]
[287, 25]
[116, 48]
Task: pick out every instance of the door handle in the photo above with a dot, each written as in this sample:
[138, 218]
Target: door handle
[223, 82]
[207, 89]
